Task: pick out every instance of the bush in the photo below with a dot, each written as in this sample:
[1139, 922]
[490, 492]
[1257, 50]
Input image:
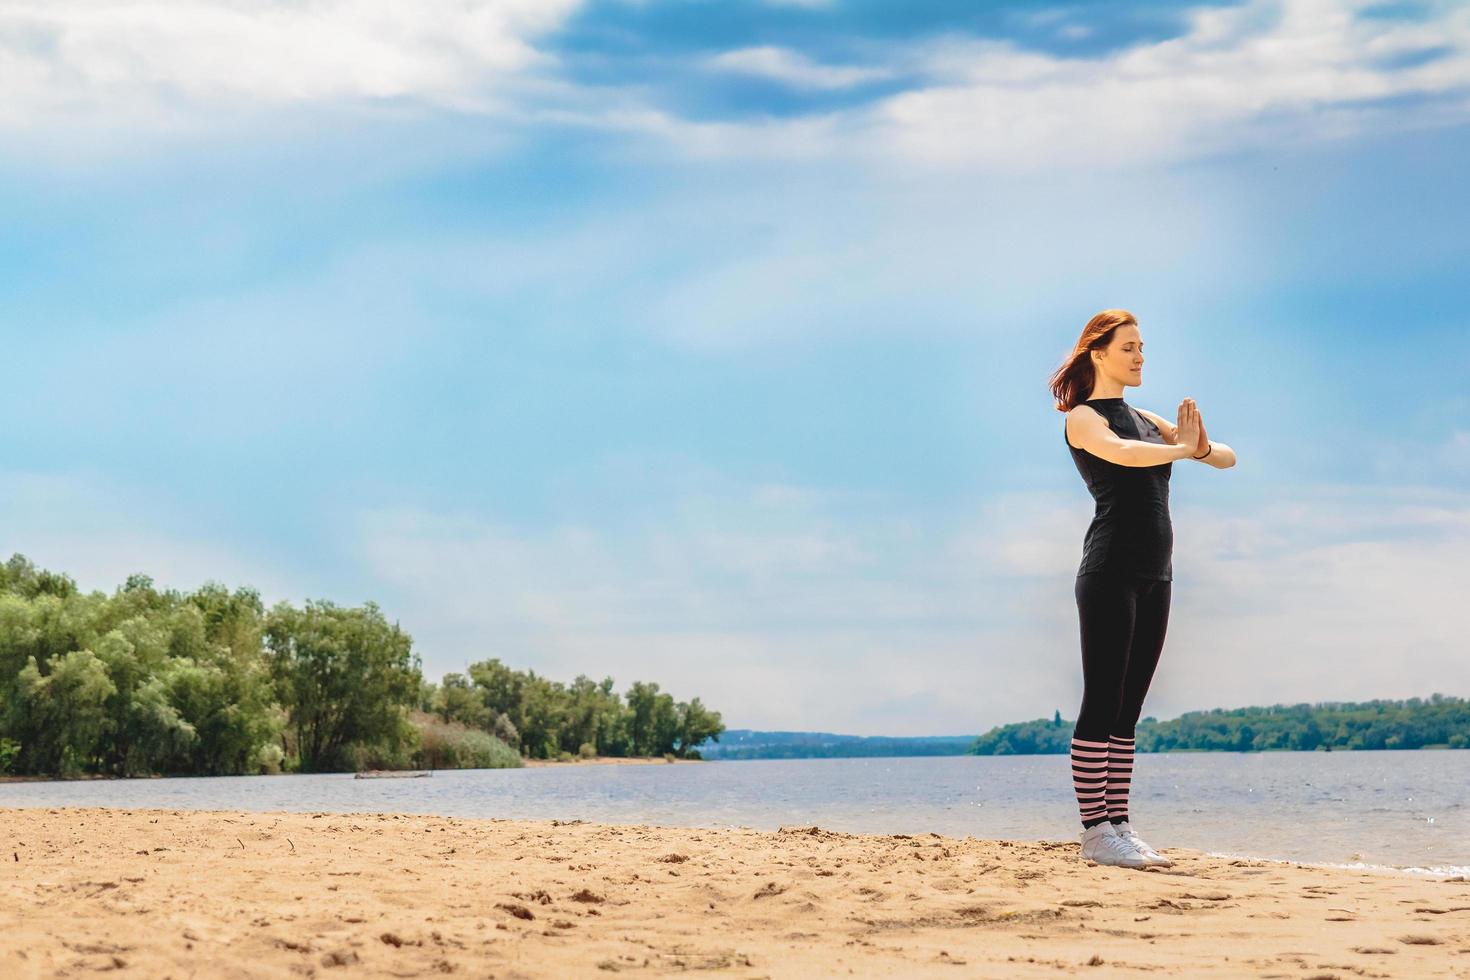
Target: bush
[268, 758]
[668, 757]
[563, 756]
[505, 730]
[379, 756]
[587, 751]
[450, 745]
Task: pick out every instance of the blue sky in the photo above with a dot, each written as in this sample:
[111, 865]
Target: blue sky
[706, 343]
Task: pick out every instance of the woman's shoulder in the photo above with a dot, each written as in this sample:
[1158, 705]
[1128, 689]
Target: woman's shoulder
[1084, 413]
[1081, 415]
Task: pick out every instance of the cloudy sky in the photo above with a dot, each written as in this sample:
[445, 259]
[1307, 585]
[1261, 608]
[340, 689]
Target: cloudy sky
[706, 341]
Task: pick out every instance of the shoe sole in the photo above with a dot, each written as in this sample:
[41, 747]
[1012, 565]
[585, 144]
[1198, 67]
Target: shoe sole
[1158, 861]
[1110, 864]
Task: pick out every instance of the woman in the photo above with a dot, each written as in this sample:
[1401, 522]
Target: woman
[1125, 456]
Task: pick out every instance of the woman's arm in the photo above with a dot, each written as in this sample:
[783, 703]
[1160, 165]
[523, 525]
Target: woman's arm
[1087, 430]
[1221, 456]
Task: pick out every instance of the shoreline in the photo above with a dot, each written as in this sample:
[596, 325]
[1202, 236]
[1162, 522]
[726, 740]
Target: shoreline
[611, 760]
[653, 760]
[602, 760]
[155, 892]
[1415, 872]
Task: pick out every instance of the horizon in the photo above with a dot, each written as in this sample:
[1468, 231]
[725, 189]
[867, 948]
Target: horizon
[707, 343]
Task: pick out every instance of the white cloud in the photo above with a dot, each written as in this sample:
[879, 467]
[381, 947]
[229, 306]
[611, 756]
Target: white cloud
[121, 60]
[1392, 457]
[803, 612]
[1266, 74]
[1263, 74]
[1337, 599]
[942, 257]
[794, 68]
[1056, 18]
[793, 607]
[81, 525]
[796, 262]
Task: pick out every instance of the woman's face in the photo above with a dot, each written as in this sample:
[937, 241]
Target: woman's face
[1122, 360]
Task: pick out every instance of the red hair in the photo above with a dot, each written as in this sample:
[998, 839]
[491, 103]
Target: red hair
[1071, 382]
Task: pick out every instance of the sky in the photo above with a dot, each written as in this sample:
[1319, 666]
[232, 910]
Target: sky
[706, 342]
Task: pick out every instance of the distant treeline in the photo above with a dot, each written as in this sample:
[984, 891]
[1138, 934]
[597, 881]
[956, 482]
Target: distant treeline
[1437, 723]
[741, 743]
[148, 681]
[549, 719]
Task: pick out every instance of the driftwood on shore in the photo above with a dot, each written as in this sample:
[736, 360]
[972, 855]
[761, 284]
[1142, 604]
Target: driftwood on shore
[391, 774]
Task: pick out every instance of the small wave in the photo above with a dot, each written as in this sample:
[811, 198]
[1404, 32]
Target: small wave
[1445, 871]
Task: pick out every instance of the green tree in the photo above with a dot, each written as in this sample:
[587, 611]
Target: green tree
[20, 577]
[543, 711]
[150, 680]
[457, 700]
[665, 724]
[696, 725]
[61, 715]
[642, 701]
[347, 678]
[501, 688]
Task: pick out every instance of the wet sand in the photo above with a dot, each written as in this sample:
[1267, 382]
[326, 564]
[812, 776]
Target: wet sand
[164, 893]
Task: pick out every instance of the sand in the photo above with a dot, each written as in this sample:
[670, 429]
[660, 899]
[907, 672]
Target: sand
[165, 893]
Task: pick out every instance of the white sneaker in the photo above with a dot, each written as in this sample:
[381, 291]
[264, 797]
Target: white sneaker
[1125, 830]
[1102, 844]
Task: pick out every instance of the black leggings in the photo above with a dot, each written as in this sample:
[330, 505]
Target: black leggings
[1122, 622]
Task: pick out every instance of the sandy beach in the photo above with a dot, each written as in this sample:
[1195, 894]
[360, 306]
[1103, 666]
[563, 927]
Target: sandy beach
[164, 893]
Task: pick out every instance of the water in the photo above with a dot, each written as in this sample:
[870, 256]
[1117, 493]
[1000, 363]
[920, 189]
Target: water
[1407, 810]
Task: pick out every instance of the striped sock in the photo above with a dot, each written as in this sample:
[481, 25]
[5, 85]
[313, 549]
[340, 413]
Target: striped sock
[1089, 779]
[1120, 775]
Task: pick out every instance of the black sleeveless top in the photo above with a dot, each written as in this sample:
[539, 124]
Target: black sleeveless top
[1131, 533]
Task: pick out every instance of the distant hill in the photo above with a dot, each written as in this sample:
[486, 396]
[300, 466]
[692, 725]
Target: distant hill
[743, 743]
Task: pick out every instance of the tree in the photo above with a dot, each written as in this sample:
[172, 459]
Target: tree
[696, 725]
[346, 676]
[501, 688]
[61, 714]
[149, 680]
[594, 715]
[19, 577]
[665, 724]
[543, 713]
[457, 701]
[642, 706]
